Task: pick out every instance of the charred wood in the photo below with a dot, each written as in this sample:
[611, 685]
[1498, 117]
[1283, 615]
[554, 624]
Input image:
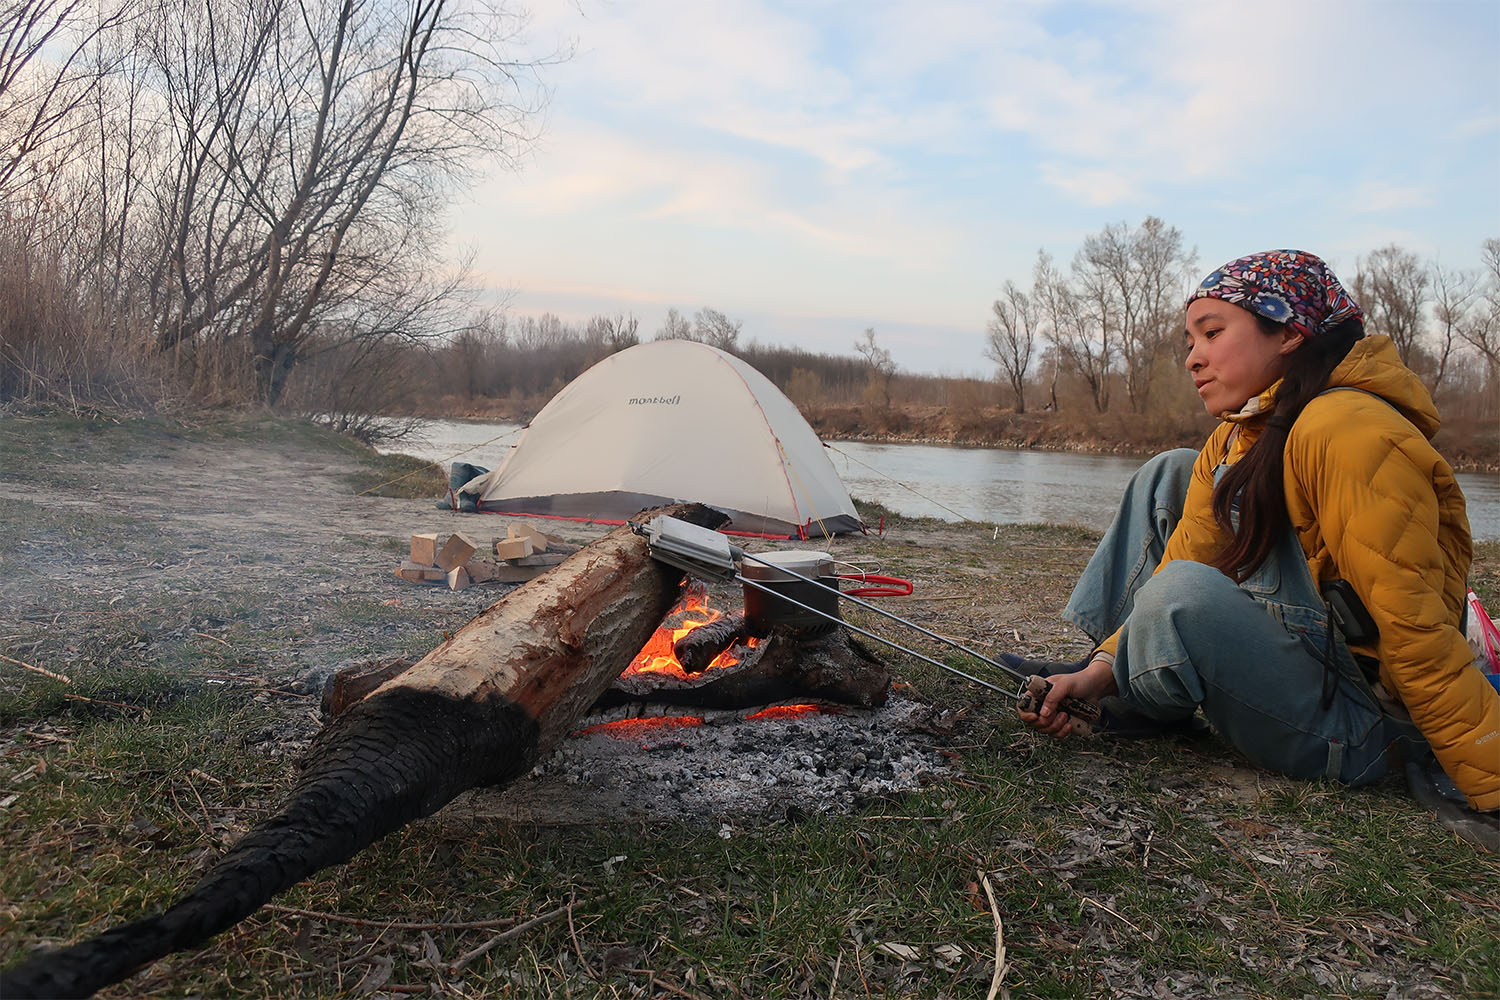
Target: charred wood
[356, 683]
[696, 650]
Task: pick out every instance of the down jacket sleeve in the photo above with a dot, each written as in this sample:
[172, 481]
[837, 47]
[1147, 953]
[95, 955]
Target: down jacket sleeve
[1365, 477]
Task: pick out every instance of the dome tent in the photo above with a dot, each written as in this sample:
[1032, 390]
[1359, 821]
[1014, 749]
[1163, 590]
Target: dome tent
[669, 421]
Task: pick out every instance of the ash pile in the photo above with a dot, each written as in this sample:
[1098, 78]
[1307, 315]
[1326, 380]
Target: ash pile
[772, 765]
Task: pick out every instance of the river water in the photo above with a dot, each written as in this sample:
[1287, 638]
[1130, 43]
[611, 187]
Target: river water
[988, 485]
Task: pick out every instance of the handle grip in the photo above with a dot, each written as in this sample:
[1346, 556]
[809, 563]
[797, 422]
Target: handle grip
[1034, 691]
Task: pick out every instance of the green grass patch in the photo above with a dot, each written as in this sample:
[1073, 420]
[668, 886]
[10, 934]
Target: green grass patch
[400, 476]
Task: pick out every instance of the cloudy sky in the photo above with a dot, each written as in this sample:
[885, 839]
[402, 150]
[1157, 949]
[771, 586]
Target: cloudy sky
[816, 167]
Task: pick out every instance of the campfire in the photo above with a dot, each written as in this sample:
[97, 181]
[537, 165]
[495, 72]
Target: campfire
[705, 657]
[693, 612]
[785, 670]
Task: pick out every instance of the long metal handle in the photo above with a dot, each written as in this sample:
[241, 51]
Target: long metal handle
[866, 632]
[1007, 671]
[1030, 694]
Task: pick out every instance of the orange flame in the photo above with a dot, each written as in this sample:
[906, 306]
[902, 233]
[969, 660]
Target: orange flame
[656, 657]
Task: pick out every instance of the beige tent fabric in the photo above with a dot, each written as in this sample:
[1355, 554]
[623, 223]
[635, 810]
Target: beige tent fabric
[667, 421]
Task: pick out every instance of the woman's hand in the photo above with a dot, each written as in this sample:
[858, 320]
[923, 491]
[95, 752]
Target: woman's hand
[1095, 681]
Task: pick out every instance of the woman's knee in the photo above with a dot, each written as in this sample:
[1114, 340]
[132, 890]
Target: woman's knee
[1176, 613]
[1184, 592]
[1174, 465]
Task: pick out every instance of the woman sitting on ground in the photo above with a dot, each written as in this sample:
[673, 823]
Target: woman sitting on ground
[1208, 590]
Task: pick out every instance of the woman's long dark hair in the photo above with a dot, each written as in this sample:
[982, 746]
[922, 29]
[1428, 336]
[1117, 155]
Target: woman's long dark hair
[1256, 479]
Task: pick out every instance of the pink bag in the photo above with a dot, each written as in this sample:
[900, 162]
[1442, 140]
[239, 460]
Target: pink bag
[1484, 639]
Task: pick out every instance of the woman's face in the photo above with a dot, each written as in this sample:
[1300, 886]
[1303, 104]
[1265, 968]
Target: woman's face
[1230, 358]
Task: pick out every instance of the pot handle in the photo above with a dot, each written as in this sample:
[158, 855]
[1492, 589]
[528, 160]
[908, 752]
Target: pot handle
[884, 586]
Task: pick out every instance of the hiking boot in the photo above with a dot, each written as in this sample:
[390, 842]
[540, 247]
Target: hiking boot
[1042, 668]
[1117, 717]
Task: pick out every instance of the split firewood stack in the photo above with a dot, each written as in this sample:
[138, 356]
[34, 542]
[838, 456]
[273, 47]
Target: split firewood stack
[462, 559]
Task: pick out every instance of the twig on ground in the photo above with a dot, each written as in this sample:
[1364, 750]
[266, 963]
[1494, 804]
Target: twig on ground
[203, 831]
[1000, 964]
[1270, 898]
[1091, 900]
[201, 806]
[1343, 933]
[400, 925]
[145, 712]
[661, 983]
[1475, 900]
[859, 966]
[504, 936]
[573, 936]
[35, 669]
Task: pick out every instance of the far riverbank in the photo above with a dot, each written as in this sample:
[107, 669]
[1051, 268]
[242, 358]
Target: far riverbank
[1470, 446]
[981, 484]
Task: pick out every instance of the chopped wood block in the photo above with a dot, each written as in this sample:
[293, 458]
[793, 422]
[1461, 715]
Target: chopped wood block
[455, 552]
[424, 549]
[485, 570]
[540, 559]
[410, 570]
[513, 548]
[458, 578]
[538, 540]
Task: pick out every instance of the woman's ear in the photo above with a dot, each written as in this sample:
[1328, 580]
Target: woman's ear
[1290, 341]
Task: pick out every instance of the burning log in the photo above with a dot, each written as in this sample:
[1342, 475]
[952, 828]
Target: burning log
[783, 666]
[696, 650]
[479, 710]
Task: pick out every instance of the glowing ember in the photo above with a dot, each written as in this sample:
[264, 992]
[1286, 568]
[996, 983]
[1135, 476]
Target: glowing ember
[629, 729]
[656, 657]
[791, 711]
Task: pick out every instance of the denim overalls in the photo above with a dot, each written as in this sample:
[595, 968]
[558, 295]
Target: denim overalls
[1252, 655]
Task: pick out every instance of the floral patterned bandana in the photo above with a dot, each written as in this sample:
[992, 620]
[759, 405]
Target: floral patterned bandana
[1292, 287]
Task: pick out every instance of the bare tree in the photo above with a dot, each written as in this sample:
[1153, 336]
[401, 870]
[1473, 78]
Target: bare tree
[1482, 331]
[1133, 280]
[1454, 296]
[1081, 340]
[882, 370]
[613, 333]
[1012, 336]
[47, 84]
[716, 329]
[1392, 285]
[313, 144]
[676, 327]
[533, 333]
[473, 354]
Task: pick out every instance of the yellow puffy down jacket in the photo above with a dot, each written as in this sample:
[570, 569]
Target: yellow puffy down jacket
[1375, 504]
